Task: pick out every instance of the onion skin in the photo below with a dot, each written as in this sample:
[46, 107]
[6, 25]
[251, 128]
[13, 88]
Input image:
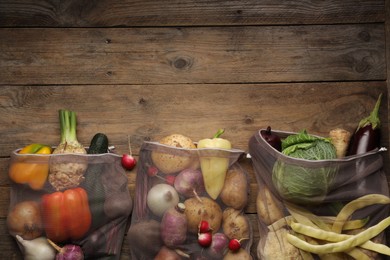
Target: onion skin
[161, 197]
[25, 220]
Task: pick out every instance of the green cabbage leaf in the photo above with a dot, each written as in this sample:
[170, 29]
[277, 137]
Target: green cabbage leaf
[304, 184]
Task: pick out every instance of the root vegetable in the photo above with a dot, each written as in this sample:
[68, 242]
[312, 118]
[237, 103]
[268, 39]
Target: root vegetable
[275, 246]
[268, 208]
[144, 238]
[174, 226]
[167, 254]
[235, 224]
[36, 249]
[161, 197]
[235, 190]
[189, 183]
[241, 254]
[67, 172]
[204, 227]
[172, 163]
[24, 219]
[218, 246]
[340, 138]
[68, 252]
[202, 208]
[205, 239]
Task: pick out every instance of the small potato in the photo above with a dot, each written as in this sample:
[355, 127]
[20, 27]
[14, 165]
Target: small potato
[268, 208]
[144, 238]
[235, 190]
[235, 224]
[203, 208]
[172, 163]
[241, 254]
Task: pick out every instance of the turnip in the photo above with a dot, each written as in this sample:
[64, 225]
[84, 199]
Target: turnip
[218, 246]
[189, 183]
[161, 197]
[174, 226]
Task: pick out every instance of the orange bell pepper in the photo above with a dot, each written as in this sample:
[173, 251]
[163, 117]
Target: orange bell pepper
[66, 215]
[30, 169]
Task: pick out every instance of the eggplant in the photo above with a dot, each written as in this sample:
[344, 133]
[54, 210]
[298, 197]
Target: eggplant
[367, 134]
[271, 138]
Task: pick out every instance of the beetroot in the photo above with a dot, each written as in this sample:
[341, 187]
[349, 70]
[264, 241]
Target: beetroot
[174, 226]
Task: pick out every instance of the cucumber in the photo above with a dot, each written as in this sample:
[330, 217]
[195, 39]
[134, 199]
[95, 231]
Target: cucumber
[93, 181]
[99, 144]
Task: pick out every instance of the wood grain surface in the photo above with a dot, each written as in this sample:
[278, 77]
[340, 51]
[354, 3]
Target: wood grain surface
[152, 68]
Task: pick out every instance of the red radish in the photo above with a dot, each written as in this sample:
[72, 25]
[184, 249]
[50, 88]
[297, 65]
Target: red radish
[205, 239]
[234, 244]
[170, 179]
[152, 171]
[204, 227]
[128, 161]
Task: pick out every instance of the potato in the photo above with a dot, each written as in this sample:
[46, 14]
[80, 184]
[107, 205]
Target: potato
[172, 163]
[235, 190]
[275, 246]
[235, 224]
[202, 208]
[144, 238]
[241, 254]
[268, 208]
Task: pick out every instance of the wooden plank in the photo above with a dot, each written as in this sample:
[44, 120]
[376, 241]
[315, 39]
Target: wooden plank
[192, 55]
[50, 13]
[149, 112]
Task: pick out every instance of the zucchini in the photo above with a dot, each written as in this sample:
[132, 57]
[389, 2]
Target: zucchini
[93, 181]
[99, 144]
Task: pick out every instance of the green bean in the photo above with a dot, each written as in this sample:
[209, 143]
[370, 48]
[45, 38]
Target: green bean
[341, 246]
[335, 237]
[354, 205]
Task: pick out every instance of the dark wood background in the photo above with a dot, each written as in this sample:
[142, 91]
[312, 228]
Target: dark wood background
[151, 68]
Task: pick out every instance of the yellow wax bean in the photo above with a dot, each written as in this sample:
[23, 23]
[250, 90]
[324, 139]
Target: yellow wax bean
[354, 205]
[335, 237]
[341, 246]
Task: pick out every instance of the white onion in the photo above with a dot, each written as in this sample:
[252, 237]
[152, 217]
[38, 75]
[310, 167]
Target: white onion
[161, 197]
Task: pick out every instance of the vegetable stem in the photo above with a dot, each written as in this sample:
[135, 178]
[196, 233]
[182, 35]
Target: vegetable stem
[373, 118]
[68, 126]
[219, 133]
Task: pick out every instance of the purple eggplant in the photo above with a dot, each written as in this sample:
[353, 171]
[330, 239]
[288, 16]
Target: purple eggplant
[367, 135]
[271, 138]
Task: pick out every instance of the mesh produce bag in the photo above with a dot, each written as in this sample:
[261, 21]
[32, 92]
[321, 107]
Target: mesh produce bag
[89, 205]
[155, 229]
[315, 192]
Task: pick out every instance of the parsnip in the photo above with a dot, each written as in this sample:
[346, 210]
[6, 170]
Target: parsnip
[340, 139]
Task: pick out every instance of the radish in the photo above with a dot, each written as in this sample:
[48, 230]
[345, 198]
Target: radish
[205, 239]
[204, 227]
[174, 226]
[235, 244]
[128, 161]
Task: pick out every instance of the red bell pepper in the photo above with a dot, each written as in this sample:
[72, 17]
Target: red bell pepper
[66, 215]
